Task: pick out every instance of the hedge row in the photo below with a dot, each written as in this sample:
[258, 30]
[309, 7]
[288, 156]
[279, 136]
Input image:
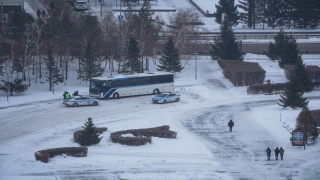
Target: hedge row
[273, 88]
[313, 71]
[77, 134]
[265, 88]
[44, 155]
[142, 136]
[242, 73]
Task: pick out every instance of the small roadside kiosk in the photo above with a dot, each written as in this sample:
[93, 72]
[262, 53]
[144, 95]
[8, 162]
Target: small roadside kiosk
[299, 138]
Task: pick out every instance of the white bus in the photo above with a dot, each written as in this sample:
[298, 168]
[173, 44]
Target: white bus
[123, 85]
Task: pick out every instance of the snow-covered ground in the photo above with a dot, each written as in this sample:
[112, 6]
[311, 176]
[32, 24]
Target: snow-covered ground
[204, 149]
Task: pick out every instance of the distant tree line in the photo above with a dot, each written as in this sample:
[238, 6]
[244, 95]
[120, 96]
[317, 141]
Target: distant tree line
[41, 48]
[271, 13]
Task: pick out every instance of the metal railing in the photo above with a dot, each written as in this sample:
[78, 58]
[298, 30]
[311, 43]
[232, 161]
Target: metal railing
[250, 35]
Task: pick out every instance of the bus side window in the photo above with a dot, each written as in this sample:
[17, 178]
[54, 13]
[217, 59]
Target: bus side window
[124, 83]
[116, 83]
[93, 85]
[130, 82]
[156, 80]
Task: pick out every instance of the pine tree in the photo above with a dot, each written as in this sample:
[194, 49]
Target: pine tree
[90, 136]
[132, 55]
[246, 15]
[89, 65]
[304, 80]
[273, 13]
[306, 13]
[146, 14]
[285, 49]
[1, 70]
[292, 96]
[15, 86]
[53, 75]
[306, 123]
[227, 7]
[259, 13]
[226, 46]
[170, 58]
[286, 13]
[19, 25]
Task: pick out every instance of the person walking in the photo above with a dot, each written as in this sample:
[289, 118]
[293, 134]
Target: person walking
[281, 151]
[230, 124]
[38, 13]
[268, 151]
[43, 13]
[276, 153]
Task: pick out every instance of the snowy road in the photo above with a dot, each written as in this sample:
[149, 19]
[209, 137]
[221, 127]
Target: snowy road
[244, 147]
[204, 149]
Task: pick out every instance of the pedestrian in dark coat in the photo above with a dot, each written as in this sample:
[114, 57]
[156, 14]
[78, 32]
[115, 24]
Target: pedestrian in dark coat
[281, 151]
[230, 124]
[268, 151]
[38, 13]
[276, 152]
[43, 13]
[64, 94]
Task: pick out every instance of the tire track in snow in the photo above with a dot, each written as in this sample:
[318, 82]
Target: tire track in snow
[229, 150]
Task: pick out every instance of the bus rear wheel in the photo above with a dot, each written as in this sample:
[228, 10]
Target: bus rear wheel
[156, 91]
[116, 96]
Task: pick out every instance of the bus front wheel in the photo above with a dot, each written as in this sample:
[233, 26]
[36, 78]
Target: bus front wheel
[116, 96]
[156, 91]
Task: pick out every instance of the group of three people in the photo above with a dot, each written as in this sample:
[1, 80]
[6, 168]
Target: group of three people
[276, 152]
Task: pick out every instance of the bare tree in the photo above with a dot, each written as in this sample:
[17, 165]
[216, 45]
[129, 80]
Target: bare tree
[58, 32]
[113, 38]
[28, 41]
[184, 26]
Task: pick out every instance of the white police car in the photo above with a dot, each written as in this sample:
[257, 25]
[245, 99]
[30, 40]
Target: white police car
[81, 101]
[166, 97]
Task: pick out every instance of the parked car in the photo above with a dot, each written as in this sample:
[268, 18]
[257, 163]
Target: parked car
[80, 5]
[166, 97]
[81, 101]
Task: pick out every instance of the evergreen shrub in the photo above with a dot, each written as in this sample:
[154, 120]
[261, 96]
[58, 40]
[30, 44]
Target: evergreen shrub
[78, 134]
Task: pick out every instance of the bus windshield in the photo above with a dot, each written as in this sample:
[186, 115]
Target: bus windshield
[99, 85]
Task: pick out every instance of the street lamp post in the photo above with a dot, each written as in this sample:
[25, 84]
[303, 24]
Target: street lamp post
[196, 54]
[148, 64]
[52, 86]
